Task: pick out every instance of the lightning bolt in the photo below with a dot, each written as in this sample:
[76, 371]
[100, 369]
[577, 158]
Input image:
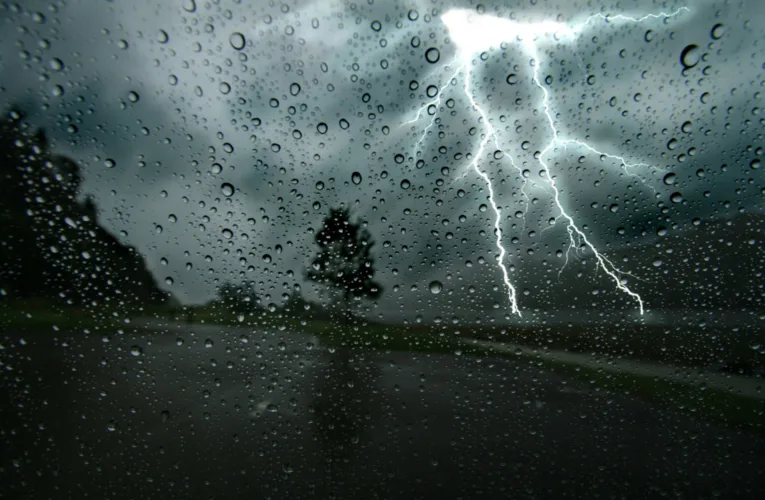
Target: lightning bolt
[474, 33]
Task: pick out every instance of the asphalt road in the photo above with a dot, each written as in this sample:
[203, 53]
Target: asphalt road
[217, 412]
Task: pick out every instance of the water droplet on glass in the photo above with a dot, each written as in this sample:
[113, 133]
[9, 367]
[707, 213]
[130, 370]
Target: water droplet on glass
[321, 128]
[162, 36]
[227, 233]
[237, 40]
[718, 30]
[56, 64]
[356, 178]
[135, 351]
[405, 184]
[670, 179]
[436, 287]
[294, 89]
[344, 124]
[690, 55]
[109, 163]
[432, 55]
[227, 189]
[189, 5]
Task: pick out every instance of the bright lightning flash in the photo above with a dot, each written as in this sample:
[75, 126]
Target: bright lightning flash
[474, 33]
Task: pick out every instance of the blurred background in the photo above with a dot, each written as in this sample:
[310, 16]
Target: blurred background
[372, 226]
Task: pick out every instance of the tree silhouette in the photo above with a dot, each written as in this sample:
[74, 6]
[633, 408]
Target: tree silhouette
[344, 263]
[52, 245]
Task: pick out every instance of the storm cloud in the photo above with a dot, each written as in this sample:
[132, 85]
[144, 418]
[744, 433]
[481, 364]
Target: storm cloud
[162, 103]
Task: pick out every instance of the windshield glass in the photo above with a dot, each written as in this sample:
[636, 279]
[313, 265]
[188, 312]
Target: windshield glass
[381, 249]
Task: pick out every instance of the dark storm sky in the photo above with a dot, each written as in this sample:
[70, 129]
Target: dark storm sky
[167, 91]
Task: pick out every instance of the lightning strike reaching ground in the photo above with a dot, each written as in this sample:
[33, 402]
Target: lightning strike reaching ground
[474, 33]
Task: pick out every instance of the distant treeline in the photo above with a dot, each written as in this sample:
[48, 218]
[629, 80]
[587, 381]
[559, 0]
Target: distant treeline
[51, 244]
[242, 299]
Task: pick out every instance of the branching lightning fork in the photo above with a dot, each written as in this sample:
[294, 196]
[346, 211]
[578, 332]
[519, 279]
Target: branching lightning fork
[474, 33]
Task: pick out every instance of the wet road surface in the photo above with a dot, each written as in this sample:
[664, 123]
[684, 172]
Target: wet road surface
[220, 412]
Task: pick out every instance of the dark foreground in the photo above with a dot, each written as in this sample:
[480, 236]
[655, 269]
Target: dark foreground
[253, 415]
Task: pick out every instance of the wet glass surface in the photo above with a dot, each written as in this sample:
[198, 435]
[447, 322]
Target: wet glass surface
[381, 249]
